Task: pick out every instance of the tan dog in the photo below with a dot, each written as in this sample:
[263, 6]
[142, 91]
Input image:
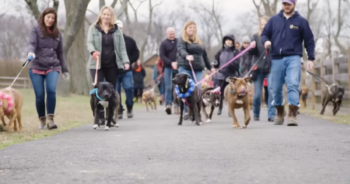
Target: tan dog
[207, 83]
[250, 95]
[236, 96]
[150, 97]
[303, 96]
[11, 102]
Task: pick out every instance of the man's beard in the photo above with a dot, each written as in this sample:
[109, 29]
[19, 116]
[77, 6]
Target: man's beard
[289, 12]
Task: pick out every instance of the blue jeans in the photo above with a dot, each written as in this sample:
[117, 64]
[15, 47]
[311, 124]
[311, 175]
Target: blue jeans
[126, 80]
[199, 76]
[161, 87]
[258, 86]
[286, 70]
[168, 94]
[50, 80]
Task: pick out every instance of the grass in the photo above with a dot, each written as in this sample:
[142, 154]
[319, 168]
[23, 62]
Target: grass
[70, 113]
[340, 117]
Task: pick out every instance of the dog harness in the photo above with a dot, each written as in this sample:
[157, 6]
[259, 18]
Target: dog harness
[9, 100]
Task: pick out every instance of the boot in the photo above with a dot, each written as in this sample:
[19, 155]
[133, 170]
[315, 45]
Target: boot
[292, 115]
[219, 111]
[51, 123]
[168, 109]
[279, 120]
[120, 114]
[42, 123]
[129, 113]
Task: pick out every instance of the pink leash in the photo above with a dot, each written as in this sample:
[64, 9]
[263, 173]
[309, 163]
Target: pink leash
[194, 75]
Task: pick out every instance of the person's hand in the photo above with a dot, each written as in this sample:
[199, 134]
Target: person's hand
[212, 70]
[253, 44]
[96, 55]
[66, 76]
[31, 56]
[126, 66]
[310, 65]
[267, 44]
[189, 57]
[174, 65]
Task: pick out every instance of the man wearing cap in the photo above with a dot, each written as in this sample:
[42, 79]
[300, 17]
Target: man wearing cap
[284, 35]
[126, 79]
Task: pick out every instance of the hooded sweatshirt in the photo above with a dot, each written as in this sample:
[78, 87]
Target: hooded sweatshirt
[224, 55]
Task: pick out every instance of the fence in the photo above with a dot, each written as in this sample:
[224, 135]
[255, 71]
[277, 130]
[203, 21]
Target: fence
[333, 71]
[21, 82]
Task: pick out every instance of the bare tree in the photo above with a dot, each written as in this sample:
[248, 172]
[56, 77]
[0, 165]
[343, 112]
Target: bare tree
[268, 6]
[340, 23]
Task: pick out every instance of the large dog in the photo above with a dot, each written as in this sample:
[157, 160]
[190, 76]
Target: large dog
[149, 97]
[334, 93]
[104, 96]
[210, 98]
[236, 96]
[11, 102]
[188, 94]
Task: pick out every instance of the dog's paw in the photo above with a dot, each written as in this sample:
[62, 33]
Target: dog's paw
[116, 125]
[106, 128]
[95, 126]
[198, 124]
[208, 120]
[245, 126]
[236, 126]
[180, 123]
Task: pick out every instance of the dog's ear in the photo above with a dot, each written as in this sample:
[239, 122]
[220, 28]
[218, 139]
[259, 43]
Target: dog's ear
[247, 79]
[231, 79]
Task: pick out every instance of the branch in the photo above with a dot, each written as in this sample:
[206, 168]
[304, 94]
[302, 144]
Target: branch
[257, 8]
[56, 4]
[114, 3]
[92, 12]
[33, 7]
[123, 8]
[102, 3]
[340, 24]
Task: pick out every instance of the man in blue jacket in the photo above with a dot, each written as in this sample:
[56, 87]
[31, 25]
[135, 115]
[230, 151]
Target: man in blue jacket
[284, 34]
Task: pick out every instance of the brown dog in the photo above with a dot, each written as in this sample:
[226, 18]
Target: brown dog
[250, 95]
[11, 102]
[150, 97]
[236, 96]
[303, 96]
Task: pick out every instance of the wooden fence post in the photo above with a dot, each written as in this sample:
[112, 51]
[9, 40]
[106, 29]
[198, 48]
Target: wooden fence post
[313, 85]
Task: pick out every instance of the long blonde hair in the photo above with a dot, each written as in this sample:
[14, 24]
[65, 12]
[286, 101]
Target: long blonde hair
[266, 18]
[194, 38]
[113, 17]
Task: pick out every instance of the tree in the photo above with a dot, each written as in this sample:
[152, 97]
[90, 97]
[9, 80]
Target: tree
[340, 23]
[269, 8]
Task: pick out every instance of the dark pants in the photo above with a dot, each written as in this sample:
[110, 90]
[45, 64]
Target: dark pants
[266, 95]
[105, 74]
[222, 84]
[126, 81]
[50, 80]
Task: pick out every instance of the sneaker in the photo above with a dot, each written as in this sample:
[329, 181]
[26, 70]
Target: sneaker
[256, 119]
[186, 116]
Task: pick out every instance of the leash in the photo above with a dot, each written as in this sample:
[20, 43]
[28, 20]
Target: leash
[23, 66]
[97, 65]
[223, 66]
[255, 64]
[193, 73]
[317, 77]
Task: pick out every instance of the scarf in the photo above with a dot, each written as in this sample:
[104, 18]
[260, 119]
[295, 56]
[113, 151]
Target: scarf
[189, 91]
[138, 69]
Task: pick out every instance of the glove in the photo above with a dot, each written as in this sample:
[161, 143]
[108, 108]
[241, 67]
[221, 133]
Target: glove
[66, 76]
[31, 56]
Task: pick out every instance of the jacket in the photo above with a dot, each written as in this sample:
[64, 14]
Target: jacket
[198, 52]
[94, 42]
[168, 51]
[288, 35]
[263, 66]
[132, 50]
[48, 51]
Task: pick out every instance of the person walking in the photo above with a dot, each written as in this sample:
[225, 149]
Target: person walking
[285, 34]
[126, 79]
[167, 53]
[105, 43]
[139, 75]
[190, 49]
[45, 51]
[260, 74]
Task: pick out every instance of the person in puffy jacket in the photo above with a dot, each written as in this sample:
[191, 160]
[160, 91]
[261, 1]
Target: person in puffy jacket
[139, 75]
[224, 55]
[45, 50]
[260, 73]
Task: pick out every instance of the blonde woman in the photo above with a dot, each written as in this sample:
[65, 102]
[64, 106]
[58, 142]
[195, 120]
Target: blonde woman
[262, 71]
[105, 42]
[190, 49]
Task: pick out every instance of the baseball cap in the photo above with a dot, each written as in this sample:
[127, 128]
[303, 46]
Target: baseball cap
[288, 1]
[119, 23]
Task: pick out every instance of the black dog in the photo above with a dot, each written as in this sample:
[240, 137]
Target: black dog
[104, 96]
[210, 97]
[334, 93]
[192, 101]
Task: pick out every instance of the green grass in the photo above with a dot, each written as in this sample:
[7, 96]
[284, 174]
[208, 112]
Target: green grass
[71, 112]
[340, 117]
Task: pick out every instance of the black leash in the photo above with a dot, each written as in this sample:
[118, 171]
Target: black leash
[263, 54]
[317, 77]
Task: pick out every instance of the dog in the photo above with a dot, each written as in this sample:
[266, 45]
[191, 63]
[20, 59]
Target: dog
[334, 93]
[236, 96]
[303, 93]
[210, 98]
[104, 96]
[250, 88]
[11, 103]
[176, 101]
[207, 83]
[188, 94]
[150, 97]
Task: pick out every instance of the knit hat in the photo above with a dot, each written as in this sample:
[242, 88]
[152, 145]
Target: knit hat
[288, 1]
[246, 39]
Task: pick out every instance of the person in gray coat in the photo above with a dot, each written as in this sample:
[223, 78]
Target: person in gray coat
[45, 51]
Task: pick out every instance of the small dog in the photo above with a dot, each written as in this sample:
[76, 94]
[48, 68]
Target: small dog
[303, 93]
[207, 83]
[188, 93]
[104, 96]
[210, 98]
[150, 97]
[236, 96]
[334, 93]
[11, 103]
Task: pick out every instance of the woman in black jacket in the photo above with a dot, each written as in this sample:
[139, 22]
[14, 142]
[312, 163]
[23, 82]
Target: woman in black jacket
[224, 55]
[262, 71]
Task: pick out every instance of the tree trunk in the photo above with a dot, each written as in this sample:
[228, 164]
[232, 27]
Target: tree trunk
[102, 3]
[33, 6]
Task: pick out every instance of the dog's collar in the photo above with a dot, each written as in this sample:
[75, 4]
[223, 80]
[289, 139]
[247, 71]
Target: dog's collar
[10, 101]
[95, 90]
